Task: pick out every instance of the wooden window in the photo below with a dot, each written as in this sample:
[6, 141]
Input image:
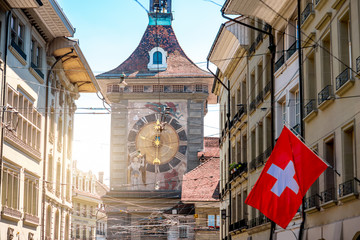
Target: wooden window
[10, 186]
[138, 88]
[158, 88]
[178, 88]
[31, 194]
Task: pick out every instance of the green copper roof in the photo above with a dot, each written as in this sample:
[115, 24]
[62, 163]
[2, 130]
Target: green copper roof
[162, 19]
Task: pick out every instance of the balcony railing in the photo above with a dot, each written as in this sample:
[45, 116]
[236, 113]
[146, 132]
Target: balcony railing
[328, 195]
[242, 110]
[310, 107]
[260, 160]
[343, 78]
[296, 129]
[252, 105]
[325, 94]
[258, 221]
[238, 170]
[267, 88]
[267, 152]
[306, 13]
[253, 164]
[259, 97]
[358, 65]
[347, 188]
[279, 63]
[312, 201]
[252, 48]
[291, 50]
[242, 224]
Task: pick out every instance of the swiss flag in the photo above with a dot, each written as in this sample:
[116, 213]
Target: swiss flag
[290, 171]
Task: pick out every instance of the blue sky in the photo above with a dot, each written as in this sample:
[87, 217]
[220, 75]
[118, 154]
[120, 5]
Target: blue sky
[108, 32]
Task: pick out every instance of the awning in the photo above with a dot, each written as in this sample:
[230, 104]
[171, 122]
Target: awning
[75, 65]
[230, 38]
[49, 20]
[24, 3]
[267, 10]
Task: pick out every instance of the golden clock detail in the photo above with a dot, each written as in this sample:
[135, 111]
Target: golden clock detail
[161, 139]
[159, 143]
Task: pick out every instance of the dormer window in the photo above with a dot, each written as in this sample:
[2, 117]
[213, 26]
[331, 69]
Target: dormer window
[157, 58]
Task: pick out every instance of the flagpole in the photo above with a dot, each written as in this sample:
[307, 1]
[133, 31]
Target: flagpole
[301, 93]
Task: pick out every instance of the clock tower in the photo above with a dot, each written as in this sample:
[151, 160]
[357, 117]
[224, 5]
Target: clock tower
[158, 100]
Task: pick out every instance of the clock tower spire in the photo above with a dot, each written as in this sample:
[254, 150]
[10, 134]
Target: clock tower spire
[160, 12]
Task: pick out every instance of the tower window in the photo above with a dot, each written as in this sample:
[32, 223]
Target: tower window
[157, 58]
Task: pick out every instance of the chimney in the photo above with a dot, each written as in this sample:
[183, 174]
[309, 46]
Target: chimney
[101, 177]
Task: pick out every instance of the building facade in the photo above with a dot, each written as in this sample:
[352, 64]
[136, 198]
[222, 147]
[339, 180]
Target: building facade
[158, 101]
[87, 207]
[201, 189]
[330, 48]
[38, 91]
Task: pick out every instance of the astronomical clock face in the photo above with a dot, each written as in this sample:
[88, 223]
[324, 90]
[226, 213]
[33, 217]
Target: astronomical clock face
[161, 139]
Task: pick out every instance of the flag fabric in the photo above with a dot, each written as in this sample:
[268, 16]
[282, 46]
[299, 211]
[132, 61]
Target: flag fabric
[289, 172]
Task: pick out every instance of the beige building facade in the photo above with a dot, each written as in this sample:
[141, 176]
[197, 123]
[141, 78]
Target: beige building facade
[38, 91]
[330, 60]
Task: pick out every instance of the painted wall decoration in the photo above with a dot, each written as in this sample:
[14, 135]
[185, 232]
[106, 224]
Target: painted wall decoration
[157, 145]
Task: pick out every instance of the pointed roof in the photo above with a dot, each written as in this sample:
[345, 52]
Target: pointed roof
[178, 64]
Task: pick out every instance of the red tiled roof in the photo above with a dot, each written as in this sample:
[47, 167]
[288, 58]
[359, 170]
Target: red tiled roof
[178, 64]
[202, 183]
[211, 148]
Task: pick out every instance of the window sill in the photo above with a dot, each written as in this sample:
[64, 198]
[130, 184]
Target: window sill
[310, 116]
[17, 55]
[308, 20]
[349, 197]
[345, 87]
[328, 204]
[31, 220]
[326, 103]
[36, 75]
[312, 209]
[12, 139]
[10, 214]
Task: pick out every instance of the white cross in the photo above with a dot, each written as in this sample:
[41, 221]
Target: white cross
[285, 178]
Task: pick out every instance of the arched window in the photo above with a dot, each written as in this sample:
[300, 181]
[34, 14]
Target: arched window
[157, 58]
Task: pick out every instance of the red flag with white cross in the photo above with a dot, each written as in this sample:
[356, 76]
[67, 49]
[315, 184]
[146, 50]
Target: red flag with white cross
[290, 171]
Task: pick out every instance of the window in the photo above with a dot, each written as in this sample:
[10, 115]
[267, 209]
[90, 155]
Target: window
[17, 32]
[85, 211]
[78, 209]
[213, 221]
[329, 181]
[58, 178]
[297, 108]
[283, 113]
[158, 88]
[183, 229]
[138, 88]
[326, 61]
[178, 88]
[348, 153]
[31, 194]
[27, 125]
[157, 58]
[344, 41]
[10, 186]
[36, 51]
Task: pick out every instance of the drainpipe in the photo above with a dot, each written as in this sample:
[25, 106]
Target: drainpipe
[45, 139]
[272, 48]
[227, 88]
[3, 97]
